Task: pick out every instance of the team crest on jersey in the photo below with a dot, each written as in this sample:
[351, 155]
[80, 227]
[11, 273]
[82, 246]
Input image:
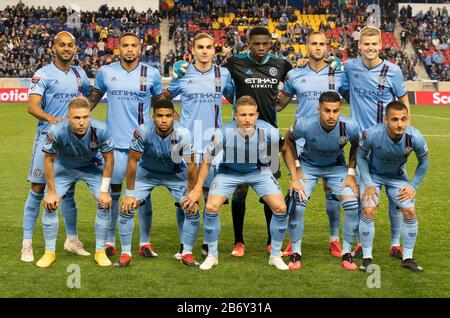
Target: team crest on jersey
[35, 79]
[218, 81]
[37, 172]
[407, 151]
[343, 140]
[143, 80]
[109, 142]
[273, 71]
[382, 81]
[331, 80]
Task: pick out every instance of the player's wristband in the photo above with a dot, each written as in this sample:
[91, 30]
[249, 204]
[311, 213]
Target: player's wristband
[297, 163]
[351, 172]
[105, 184]
[129, 193]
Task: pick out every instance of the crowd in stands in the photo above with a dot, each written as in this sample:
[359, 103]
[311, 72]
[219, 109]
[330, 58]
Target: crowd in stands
[430, 36]
[229, 21]
[26, 35]
[26, 32]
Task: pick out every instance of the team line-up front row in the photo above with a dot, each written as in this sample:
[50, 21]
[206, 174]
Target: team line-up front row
[161, 153]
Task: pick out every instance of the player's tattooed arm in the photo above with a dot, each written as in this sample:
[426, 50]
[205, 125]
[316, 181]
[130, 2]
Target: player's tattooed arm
[282, 101]
[51, 200]
[192, 172]
[35, 109]
[95, 97]
[350, 180]
[290, 157]
[129, 202]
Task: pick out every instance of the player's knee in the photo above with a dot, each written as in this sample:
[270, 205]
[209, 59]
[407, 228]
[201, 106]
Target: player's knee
[279, 208]
[212, 207]
[369, 213]
[409, 213]
[38, 187]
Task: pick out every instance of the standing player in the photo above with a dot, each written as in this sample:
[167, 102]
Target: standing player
[256, 74]
[52, 87]
[325, 136]
[130, 85]
[201, 90]
[72, 154]
[382, 156]
[373, 83]
[158, 146]
[308, 83]
[250, 146]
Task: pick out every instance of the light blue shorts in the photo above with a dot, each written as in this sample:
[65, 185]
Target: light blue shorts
[64, 177]
[36, 173]
[147, 180]
[393, 186]
[334, 177]
[263, 182]
[120, 166]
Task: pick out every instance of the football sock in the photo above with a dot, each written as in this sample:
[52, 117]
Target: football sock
[351, 221]
[50, 228]
[366, 235]
[69, 212]
[31, 213]
[102, 226]
[238, 214]
[145, 215]
[409, 229]
[111, 237]
[211, 229]
[278, 227]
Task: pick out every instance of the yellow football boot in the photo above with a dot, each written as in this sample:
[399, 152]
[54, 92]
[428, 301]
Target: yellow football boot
[101, 259]
[48, 259]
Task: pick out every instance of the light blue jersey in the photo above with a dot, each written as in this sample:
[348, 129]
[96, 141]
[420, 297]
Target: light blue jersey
[386, 157]
[129, 95]
[322, 148]
[57, 88]
[74, 152]
[308, 85]
[246, 155]
[201, 101]
[372, 89]
[162, 155]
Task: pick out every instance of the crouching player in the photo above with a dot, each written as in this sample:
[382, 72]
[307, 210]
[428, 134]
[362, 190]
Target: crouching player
[156, 158]
[382, 155]
[72, 154]
[249, 147]
[325, 135]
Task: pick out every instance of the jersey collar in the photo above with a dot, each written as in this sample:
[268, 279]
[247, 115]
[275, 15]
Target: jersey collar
[55, 66]
[266, 59]
[369, 69]
[200, 72]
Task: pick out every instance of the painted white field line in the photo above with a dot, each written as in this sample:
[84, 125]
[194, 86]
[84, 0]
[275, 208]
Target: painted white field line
[432, 117]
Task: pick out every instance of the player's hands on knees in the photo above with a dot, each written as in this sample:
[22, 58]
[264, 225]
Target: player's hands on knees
[370, 193]
[129, 204]
[406, 193]
[105, 200]
[179, 69]
[192, 199]
[350, 182]
[51, 201]
[297, 187]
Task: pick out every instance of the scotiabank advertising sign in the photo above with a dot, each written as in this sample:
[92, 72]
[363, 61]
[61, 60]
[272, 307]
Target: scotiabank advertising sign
[432, 98]
[13, 95]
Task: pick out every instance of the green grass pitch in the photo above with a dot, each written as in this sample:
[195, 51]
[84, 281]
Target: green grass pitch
[250, 276]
